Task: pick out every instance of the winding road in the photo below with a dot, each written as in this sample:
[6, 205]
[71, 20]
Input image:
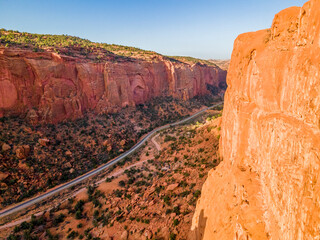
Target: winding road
[37, 199]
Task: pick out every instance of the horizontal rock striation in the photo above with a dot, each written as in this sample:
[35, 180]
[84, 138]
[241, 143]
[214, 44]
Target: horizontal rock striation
[51, 87]
[268, 186]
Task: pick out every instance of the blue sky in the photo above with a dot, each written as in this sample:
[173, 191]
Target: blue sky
[198, 28]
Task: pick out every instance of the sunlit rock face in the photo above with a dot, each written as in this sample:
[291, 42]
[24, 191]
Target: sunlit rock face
[54, 87]
[268, 185]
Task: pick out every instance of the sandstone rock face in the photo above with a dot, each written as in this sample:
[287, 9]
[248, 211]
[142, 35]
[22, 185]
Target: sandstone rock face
[49, 87]
[268, 186]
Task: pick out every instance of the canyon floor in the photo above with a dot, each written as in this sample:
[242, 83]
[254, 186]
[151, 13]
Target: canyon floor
[35, 158]
[151, 195]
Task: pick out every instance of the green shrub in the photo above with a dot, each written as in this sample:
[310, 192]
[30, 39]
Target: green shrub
[58, 219]
[175, 222]
[173, 236]
[78, 214]
[122, 183]
[72, 235]
[169, 138]
[197, 193]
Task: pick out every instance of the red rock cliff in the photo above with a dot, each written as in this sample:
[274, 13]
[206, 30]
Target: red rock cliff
[52, 87]
[268, 185]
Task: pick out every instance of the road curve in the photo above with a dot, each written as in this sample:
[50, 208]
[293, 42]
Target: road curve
[32, 201]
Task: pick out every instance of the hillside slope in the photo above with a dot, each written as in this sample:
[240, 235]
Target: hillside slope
[268, 184]
[223, 64]
[52, 78]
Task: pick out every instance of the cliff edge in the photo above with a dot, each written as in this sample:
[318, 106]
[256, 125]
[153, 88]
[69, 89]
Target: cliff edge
[51, 78]
[268, 185]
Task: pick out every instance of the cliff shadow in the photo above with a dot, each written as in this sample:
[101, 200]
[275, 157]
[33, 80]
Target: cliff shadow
[198, 232]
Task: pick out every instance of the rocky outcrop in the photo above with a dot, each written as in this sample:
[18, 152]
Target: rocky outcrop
[268, 186]
[22, 152]
[52, 87]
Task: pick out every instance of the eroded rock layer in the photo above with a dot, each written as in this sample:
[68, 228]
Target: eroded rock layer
[52, 87]
[268, 186]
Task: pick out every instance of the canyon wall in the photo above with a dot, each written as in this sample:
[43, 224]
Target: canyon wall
[268, 185]
[51, 87]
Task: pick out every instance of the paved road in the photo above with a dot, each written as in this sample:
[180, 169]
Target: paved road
[28, 218]
[77, 180]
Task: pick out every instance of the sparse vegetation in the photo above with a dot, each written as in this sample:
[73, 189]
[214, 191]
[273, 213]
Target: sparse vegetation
[76, 147]
[79, 47]
[162, 192]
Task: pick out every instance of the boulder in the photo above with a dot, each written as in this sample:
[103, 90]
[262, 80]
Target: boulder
[23, 152]
[147, 234]
[106, 143]
[44, 141]
[3, 176]
[5, 147]
[68, 165]
[172, 187]
[123, 142]
[68, 153]
[32, 116]
[3, 186]
[124, 235]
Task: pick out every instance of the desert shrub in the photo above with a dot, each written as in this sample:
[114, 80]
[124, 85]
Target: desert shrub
[72, 235]
[173, 236]
[58, 219]
[169, 138]
[175, 222]
[185, 193]
[96, 214]
[108, 180]
[176, 210]
[167, 199]
[79, 205]
[197, 193]
[118, 193]
[122, 183]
